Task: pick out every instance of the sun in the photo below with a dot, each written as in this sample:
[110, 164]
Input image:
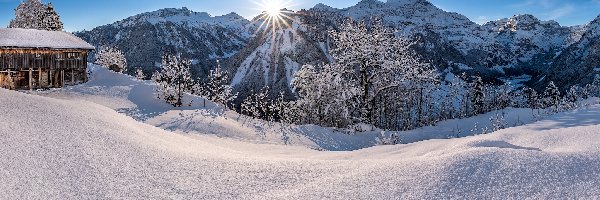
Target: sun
[274, 14]
[272, 7]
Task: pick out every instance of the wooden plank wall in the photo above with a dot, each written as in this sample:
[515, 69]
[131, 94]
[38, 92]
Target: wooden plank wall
[42, 68]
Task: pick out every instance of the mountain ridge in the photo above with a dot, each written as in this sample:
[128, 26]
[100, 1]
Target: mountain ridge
[512, 46]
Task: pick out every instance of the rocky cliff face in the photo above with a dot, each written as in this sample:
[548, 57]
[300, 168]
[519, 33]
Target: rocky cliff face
[578, 63]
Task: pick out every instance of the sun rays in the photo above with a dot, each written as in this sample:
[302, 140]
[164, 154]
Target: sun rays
[274, 15]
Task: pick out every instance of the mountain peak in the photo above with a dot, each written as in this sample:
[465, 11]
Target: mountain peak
[370, 2]
[403, 2]
[232, 15]
[596, 21]
[323, 7]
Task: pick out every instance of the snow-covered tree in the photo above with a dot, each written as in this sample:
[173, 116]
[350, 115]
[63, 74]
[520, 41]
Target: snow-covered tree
[217, 88]
[51, 20]
[532, 97]
[174, 79]
[256, 105]
[111, 58]
[374, 61]
[248, 107]
[552, 96]
[478, 94]
[371, 68]
[278, 107]
[594, 88]
[33, 14]
[325, 97]
[139, 74]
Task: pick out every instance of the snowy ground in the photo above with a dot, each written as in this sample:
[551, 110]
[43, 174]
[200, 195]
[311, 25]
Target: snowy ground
[137, 99]
[75, 149]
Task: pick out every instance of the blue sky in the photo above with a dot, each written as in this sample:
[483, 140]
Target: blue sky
[85, 14]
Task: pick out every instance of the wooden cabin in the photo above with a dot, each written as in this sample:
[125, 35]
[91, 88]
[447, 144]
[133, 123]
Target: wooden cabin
[37, 59]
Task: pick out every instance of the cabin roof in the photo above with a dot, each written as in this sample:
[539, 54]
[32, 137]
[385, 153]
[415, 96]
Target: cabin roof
[31, 38]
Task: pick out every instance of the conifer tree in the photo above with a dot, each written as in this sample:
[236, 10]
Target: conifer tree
[478, 100]
[217, 88]
[552, 96]
[33, 14]
[51, 20]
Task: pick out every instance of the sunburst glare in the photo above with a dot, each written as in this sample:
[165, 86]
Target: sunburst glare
[274, 15]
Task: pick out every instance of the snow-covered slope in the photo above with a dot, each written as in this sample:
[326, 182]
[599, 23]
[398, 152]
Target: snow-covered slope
[137, 99]
[145, 37]
[57, 149]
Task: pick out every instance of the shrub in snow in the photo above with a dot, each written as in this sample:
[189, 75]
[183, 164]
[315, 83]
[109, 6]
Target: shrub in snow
[174, 79]
[33, 14]
[139, 74]
[382, 139]
[111, 58]
[498, 122]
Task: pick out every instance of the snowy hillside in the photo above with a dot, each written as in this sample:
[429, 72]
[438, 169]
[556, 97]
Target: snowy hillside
[137, 99]
[55, 148]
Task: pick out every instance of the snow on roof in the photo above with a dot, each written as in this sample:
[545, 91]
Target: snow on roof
[31, 38]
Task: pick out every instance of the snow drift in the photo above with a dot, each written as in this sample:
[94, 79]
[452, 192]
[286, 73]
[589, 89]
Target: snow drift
[54, 148]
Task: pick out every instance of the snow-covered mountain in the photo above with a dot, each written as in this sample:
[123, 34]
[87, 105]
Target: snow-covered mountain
[273, 56]
[579, 63]
[514, 46]
[510, 42]
[197, 35]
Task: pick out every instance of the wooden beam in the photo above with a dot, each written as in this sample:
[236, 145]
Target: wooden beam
[72, 76]
[50, 81]
[39, 77]
[62, 78]
[30, 76]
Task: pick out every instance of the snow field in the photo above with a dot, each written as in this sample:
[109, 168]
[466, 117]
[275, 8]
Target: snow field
[57, 148]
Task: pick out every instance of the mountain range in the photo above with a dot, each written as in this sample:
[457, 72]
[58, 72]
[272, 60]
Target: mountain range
[255, 56]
